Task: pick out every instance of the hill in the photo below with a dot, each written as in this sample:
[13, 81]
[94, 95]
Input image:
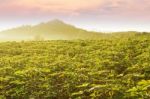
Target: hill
[52, 30]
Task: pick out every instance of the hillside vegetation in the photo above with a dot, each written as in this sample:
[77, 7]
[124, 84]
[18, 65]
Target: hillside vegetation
[112, 68]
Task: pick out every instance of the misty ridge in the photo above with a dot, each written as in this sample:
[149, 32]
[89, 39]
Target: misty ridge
[55, 30]
[52, 30]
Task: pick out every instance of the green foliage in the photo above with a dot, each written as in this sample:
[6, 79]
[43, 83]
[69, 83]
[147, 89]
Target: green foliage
[113, 68]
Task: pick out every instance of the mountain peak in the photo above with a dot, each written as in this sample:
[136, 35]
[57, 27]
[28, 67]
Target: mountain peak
[56, 21]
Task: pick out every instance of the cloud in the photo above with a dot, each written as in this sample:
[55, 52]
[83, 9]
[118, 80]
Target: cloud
[51, 6]
[120, 8]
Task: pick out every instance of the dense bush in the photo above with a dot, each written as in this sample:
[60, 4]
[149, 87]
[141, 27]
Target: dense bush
[114, 68]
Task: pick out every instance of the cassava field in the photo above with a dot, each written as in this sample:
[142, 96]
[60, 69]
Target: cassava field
[108, 68]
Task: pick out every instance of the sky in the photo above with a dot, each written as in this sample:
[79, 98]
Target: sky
[95, 15]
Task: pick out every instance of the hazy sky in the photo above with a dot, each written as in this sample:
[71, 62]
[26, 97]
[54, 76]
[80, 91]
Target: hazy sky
[99, 15]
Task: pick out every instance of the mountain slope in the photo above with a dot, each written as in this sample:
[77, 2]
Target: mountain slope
[52, 30]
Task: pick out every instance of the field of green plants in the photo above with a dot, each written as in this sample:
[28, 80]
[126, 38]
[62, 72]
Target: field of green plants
[114, 68]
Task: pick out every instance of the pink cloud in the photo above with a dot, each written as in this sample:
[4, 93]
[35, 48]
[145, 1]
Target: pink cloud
[58, 6]
[109, 8]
